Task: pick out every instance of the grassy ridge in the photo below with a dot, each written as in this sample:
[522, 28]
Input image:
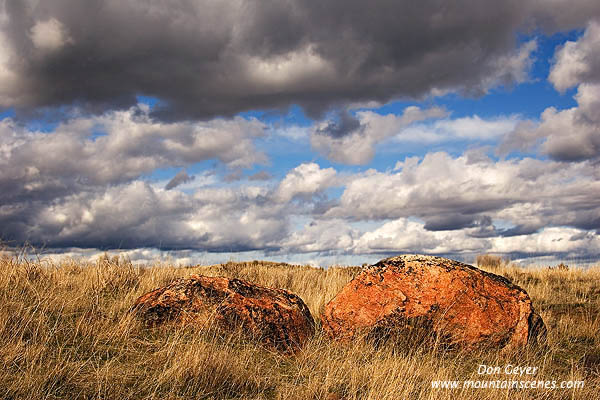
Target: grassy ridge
[66, 332]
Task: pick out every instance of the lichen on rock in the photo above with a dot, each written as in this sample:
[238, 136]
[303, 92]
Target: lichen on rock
[276, 317]
[457, 302]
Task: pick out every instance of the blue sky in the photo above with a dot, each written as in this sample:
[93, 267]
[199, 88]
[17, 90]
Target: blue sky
[329, 135]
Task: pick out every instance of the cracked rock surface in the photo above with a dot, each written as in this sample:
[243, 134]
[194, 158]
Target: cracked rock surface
[458, 302]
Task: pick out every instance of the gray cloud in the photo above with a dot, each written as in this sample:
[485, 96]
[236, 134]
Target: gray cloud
[449, 222]
[136, 215]
[208, 58]
[260, 176]
[234, 176]
[578, 61]
[519, 230]
[180, 178]
[80, 185]
[563, 15]
[343, 124]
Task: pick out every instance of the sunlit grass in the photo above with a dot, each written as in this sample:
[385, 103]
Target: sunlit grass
[66, 332]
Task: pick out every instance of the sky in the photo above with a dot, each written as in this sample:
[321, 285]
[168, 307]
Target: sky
[321, 132]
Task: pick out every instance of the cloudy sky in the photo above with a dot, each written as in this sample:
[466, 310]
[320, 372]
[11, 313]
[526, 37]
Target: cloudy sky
[298, 130]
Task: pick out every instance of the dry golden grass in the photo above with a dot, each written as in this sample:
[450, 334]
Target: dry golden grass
[66, 333]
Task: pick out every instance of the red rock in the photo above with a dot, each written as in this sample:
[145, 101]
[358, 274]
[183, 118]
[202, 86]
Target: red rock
[458, 302]
[275, 316]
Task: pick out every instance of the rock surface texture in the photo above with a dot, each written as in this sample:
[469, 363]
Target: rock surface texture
[276, 317]
[458, 302]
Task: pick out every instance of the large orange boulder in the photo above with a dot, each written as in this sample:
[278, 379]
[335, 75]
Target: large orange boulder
[277, 317]
[458, 302]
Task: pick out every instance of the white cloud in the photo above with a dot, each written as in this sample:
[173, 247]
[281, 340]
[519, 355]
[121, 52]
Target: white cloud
[114, 148]
[305, 180]
[572, 134]
[440, 204]
[322, 236]
[472, 128]
[454, 193]
[49, 35]
[566, 135]
[404, 235]
[548, 241]
[410, 236]
[136, 215]
[357, 147]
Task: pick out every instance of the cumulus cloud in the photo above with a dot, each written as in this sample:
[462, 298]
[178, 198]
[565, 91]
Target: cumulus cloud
[305, 181]
[352, 140]
[136, 215]
[130, 214]
[513, 68]
[208, 58]
[322, 236]
[454, 193]
[403, 235]
[406, 235]
[116, 147]
[438, 204]
[550, 240]
[578, 61]
[572, 134]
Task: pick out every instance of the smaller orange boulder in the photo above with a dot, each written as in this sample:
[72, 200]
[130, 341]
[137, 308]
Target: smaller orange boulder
[276, 317]
[458, 302]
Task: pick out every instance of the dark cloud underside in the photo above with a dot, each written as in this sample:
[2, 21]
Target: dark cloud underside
[207, 58]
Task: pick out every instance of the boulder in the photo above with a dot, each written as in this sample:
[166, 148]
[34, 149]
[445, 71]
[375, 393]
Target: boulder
[459, 303]
[276, 317]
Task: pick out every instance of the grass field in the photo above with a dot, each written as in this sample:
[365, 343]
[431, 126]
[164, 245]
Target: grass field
[66, 332]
